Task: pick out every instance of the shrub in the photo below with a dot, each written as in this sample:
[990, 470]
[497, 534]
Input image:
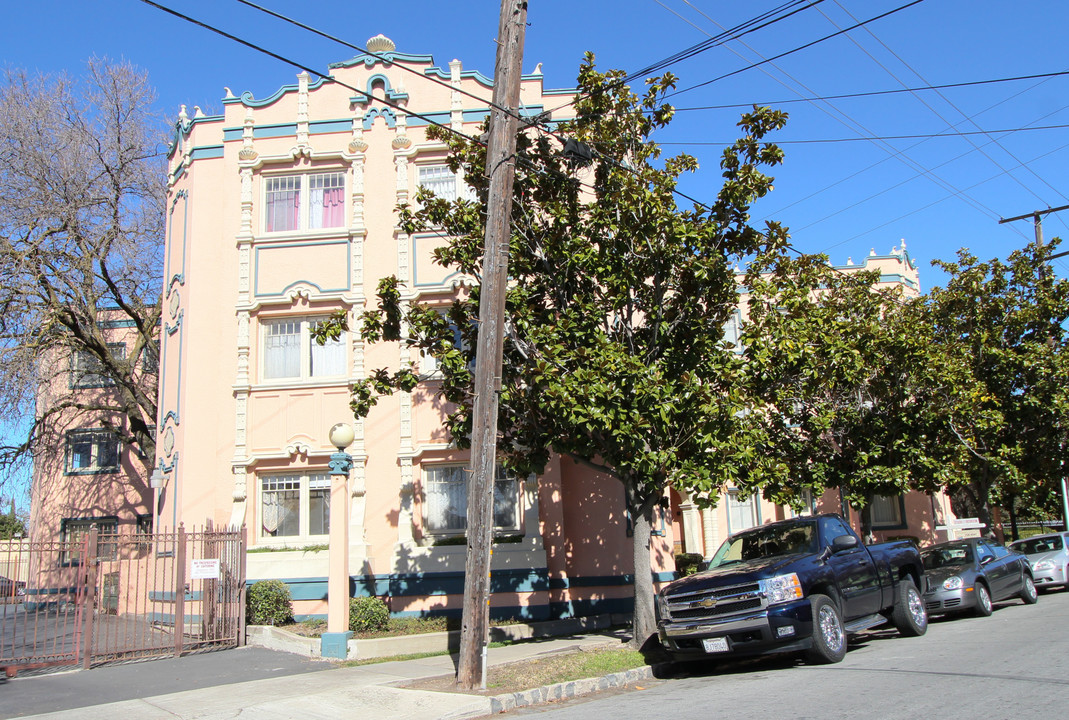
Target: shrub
[368, 613]
[688, 563]
[269, 603]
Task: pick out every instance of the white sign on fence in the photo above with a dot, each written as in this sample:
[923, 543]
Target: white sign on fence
[205, 569]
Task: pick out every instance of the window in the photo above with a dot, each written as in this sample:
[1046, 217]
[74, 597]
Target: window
[150, 358]
[299, 202]
[886, 511]
[295, 505]
[76, 530]
[742, 514]
[444, 183]
[290, 352]
[733, 331]
[88, 372]
[446, 496]
[92, 451]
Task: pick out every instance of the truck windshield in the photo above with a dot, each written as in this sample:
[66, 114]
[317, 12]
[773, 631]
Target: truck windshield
[766, 542]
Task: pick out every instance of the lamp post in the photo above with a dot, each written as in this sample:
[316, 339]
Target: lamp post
[335, 641]
[155, 481]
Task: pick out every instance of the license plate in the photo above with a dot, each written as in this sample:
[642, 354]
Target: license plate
[714, 645]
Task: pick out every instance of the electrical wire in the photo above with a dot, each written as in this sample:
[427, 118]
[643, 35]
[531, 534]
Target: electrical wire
[870, 138]
[874, 93]
[798, 49]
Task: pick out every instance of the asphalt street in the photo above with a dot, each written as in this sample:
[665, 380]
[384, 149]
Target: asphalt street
[1014, 664]
[30, 694]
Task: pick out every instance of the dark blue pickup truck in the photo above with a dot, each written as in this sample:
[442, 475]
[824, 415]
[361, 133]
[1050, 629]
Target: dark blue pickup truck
[797, 585]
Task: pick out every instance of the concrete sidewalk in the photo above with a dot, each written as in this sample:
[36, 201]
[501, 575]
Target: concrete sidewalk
[368, 690]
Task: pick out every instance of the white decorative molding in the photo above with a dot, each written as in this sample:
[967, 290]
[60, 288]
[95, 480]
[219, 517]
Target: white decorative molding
[711, 529]
[241, 422]
[247, 153]
[245, 231]
[241, 488]
[302, 110]
[297, 448]
[692, 525]
[456, 109]
[404, 514]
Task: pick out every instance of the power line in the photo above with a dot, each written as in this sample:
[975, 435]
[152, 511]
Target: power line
[799, 48]
[927, 136]
[873, 93]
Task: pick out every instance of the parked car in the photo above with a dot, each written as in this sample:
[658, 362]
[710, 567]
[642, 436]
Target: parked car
[973, 574]
[1049, 557]
[797, 585]
[11, 590]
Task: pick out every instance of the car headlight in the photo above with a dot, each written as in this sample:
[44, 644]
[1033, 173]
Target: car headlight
[952, 583]
[783, 588]
[1044, 565]
[662, 608]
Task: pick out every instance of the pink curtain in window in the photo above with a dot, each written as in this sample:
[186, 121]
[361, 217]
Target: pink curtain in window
[333, 208]
[283, 209]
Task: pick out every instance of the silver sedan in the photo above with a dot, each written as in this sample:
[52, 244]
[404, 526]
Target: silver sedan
[1049, 557]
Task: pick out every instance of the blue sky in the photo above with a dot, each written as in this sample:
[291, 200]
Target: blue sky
[843, 198]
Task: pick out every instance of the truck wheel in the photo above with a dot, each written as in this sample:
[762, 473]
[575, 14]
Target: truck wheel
[1029, 594]
[829, 637]
[983, 599]
[909, 616]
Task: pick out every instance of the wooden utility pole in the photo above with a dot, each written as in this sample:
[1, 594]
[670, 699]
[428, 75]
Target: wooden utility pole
[500, 167]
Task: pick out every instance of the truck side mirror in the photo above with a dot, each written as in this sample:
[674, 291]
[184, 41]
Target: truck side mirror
[843, 542]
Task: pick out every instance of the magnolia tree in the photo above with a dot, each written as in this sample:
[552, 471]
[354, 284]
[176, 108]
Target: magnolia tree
[1004, 323]
[844, 389]
[614, 350]
[82, 190]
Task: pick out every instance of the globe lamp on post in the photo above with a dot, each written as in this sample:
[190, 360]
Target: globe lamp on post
[335, 640]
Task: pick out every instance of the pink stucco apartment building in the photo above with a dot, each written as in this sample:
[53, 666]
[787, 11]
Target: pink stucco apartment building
[281, 211]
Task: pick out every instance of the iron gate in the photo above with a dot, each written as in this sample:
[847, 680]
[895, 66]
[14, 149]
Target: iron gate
[139, 595]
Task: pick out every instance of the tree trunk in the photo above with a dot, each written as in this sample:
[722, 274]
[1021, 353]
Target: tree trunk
[645, 623]
[1013, 518]
[866, 521]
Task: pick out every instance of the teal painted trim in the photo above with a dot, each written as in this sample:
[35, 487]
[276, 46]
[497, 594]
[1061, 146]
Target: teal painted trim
[415, 271]
[180, 170]
[335, 644]
[469, 75]
[560, 91]
[116, 324]
[51, 591]
[386, 58]
[256, 263]
[169, 596]
[178, 327]
[385, 113]
[418, 584]
[368, 95]
[321, 127]
[206, 152]
[559, 583]
[471, 116]
[231, 134]
[247, 99]
[441, 118]
[274, 131]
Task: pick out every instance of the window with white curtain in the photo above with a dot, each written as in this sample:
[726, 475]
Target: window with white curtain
[289, 352]
[445, 491]
[295, 505]
[444, 183]
[298, 202]
[886, 511]
[742, 514]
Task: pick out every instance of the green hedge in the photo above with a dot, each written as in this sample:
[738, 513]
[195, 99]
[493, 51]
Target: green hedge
[269, 603]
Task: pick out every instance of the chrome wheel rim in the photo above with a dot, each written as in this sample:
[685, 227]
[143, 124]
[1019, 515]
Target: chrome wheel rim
[1030, 587]
[916, 607]
[982, 597]
[830, 628]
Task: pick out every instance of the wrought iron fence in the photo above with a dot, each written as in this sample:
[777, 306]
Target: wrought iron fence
[139, 595]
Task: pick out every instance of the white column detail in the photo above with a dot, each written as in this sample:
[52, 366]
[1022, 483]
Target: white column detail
[302, 109]
[711, 529]
[532, 535]
[404, 514]
[692, 525]
[456, 109]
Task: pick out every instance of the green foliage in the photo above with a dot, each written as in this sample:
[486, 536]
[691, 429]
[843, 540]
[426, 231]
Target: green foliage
[269, 603]
[688, 563]
[11, 525]
[368, 613]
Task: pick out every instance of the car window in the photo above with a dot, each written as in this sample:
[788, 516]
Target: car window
[832, 527]
[959, 554]
[1031, 546]
[984, 551]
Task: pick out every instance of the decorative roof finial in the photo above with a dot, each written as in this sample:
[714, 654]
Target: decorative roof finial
[380, 44]
[538, 69]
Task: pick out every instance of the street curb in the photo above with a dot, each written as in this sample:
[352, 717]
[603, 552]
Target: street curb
[498, 704]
